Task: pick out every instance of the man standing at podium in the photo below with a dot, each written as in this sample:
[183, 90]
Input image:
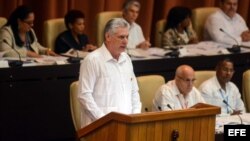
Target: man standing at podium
[178, 93]
[107, 82]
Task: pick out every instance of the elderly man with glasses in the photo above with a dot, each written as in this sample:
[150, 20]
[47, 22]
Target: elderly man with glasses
[178, 93]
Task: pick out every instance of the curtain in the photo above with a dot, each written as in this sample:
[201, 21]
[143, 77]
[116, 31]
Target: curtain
[151, 11]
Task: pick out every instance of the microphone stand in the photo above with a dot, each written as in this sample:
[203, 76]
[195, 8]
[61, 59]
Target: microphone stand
[71, 59]
[234, 48]
[76, 59]
[169, 107]
[14, 63]
[224, 101]
[175, 51]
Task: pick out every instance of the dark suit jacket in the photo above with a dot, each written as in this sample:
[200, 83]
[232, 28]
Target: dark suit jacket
[65, 41]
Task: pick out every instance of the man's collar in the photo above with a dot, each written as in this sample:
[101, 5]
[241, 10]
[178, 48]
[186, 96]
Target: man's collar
[226, 16]
[108, 57]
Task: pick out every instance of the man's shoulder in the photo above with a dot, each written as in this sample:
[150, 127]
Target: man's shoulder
[95, 54]
[215, 15]
[135, 26]
[207, 84]
[170, 85]
[232, 85]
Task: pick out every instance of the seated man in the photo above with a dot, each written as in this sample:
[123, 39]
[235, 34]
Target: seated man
[178, 93]
[226, 26]
[130, 14]
[219, 91]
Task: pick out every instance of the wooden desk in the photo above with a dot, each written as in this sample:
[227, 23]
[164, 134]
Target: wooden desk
[35, 100]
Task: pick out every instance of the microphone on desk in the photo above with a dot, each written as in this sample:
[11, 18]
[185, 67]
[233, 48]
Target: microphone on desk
[71, 59]
[76, 59]
[225, 102]
[14, 63]
[234, 48]
[159, 108]
[174, 51]
[168, 105]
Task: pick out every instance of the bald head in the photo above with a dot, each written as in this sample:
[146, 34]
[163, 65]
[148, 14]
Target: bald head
[184, 69]
[184, 78]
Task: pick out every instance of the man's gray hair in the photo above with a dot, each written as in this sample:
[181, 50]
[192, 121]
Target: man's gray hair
[130, 3]
[114, 23]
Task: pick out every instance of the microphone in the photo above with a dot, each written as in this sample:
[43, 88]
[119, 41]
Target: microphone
[76, 59]
[159, 108]
[71, 59]
[14, 63]
[175, 51]
[225, 102]
[169, 107]
[234, 48]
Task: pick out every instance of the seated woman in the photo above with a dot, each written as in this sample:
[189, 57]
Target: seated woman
[73, 37]
[18, 37]
[178, 29]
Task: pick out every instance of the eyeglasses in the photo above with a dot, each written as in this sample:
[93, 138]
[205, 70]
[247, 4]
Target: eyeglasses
[121, 37]
[187, 80]
[227, 70]
[30, 23]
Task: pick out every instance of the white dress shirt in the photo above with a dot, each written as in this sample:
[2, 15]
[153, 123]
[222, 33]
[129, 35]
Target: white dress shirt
[135, 36]
[170, 94]
[107, 85]
[214, 94]
[232, 26]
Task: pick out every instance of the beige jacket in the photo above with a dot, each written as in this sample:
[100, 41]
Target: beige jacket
[7, 43]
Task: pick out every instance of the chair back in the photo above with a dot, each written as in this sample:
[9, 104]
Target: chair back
[246, 89]
[51, 29]
[159, 31]
[148, 85]
[199, 17]
[202, 76]
[101, 20]
[75, 106]
[3, 21]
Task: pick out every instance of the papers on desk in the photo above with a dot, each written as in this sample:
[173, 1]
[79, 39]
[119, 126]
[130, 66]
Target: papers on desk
[204, 48]
[147, 53]
[245, 45]
[230, 120]
[75, 53]
[51, 60]
[207, 48]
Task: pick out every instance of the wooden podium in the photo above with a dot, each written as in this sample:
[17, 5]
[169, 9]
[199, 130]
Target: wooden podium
[194, 124]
